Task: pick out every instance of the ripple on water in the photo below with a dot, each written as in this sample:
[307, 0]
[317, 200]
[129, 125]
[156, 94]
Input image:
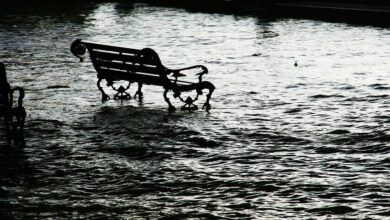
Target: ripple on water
[274, 137]
[378, 86]
[202, 142]
[281, 142]
[323, 96]
[339, 131]
[338, 210]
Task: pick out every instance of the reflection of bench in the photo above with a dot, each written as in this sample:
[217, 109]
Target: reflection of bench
[14, 116]
[114, 63]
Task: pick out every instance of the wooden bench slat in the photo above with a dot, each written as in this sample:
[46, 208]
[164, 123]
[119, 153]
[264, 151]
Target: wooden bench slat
[117, 75]
[126, 67]
[111, 48]
[124, 57]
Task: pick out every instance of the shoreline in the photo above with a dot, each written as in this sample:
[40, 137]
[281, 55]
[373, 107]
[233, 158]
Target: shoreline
[335, 11]
[375, 12]
[363, 11]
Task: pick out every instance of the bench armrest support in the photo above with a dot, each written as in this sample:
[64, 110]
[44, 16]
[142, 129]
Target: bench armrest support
[21, 95]
[177, 72]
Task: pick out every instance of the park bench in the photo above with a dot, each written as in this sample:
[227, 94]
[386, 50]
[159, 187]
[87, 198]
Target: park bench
[14, 115]
[113, 63]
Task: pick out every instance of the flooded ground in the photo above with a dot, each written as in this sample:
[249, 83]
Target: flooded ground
[282, 141]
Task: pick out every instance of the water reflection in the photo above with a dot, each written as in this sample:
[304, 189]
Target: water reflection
[281, 142]
[14, 167]
[124, 8]
[16, 174]
[33, 11]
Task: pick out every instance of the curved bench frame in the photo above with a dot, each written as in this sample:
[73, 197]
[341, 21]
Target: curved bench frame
[144, 66]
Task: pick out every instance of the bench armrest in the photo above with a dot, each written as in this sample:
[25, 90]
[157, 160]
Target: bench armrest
[177, 72]
[78, 49]
[21, 95]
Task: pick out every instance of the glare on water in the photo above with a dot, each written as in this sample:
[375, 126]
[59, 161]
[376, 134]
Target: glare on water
[280, 141]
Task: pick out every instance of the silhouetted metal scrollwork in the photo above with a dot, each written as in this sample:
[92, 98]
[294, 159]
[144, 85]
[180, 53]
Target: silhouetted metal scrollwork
[113, 63]
[121, 92]
[78, 49]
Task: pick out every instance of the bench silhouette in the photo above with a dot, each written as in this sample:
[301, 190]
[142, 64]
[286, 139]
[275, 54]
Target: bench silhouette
[113, 63]
[14, 116]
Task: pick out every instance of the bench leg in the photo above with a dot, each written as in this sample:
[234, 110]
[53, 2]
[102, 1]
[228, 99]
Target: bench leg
[122, 94]
[139, 92]
[171, 108]
[211, 88]
[105, 97]
[21, 118]
[7, 128]
[15, 125]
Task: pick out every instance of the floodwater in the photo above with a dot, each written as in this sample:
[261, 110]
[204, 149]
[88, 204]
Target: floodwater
[281, 141]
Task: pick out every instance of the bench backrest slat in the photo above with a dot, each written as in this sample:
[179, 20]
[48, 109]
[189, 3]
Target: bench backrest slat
[144, 78]
[122, 57]
[112, 48]
[131, 68]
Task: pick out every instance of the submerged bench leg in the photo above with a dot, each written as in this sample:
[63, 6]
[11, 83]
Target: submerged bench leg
[211, 88]
[122, 94]
[139, 92]
[21, 118]
[14, 125]
[105, 97]
[7, 128]
[171, 108]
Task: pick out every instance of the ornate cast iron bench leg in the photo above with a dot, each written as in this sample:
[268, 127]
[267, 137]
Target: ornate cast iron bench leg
[105, 97]
[121, 92]
[139, 92]
[18, 124]
[171, 108]
[14, 119]
[14, 116]
[20, 112]
[20, 116]
[7, 128]
[211, 89]
[189, 104]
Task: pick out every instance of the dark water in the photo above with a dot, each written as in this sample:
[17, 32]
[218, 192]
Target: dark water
[310, 141]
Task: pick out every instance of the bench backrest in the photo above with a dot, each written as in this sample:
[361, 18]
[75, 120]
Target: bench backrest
[106, 58]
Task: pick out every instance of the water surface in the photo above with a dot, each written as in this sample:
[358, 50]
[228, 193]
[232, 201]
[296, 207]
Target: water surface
[281, 141]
